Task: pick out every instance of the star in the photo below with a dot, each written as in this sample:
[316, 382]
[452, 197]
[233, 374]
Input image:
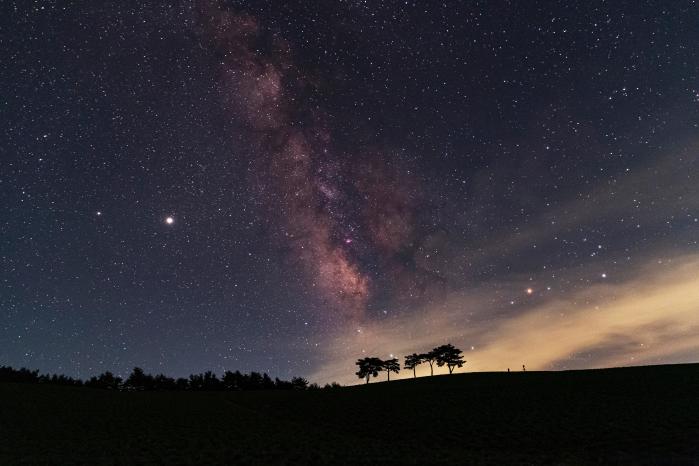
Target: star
[300, 207]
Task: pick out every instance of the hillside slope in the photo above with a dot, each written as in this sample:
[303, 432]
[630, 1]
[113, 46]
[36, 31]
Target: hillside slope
[646, 415]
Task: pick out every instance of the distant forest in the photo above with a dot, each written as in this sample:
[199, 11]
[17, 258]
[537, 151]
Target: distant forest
[138, 380]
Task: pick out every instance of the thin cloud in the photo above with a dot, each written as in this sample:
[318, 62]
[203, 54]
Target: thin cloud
[658, 307]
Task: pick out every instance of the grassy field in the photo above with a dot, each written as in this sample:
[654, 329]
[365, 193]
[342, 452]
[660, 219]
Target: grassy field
[644, 415]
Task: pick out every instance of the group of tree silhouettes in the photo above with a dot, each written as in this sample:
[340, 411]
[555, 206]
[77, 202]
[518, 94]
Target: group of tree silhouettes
[445, 355]
[138, 380]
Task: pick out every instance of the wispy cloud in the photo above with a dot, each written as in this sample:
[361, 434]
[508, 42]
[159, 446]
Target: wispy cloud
[650, 318]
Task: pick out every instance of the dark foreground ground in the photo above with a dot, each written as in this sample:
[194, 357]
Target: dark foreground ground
[645, 415]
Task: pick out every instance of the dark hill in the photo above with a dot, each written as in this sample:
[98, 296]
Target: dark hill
[640, 415]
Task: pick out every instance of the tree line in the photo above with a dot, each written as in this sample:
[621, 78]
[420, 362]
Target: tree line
[138, 380]
[444, 355]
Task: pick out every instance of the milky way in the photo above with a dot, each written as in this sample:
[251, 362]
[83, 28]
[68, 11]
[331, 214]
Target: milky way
[330, 208]
[287, 186]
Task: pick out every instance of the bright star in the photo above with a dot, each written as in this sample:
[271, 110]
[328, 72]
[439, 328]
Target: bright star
[169, 220]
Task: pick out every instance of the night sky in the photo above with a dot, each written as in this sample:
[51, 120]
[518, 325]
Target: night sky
[285, 187]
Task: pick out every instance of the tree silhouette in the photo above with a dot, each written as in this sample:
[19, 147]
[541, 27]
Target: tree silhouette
[163, 382]
[450, 356]
[282, 384]
[299, 383]
[105, 380]
[268, 383]
[181, 384]
[231, 380]
[196, 382]
[369, 367]
[412, 361]
[139, 380]
[431, 358]
[211, 382]
[391, 365]
[23, 375]
[255, 381]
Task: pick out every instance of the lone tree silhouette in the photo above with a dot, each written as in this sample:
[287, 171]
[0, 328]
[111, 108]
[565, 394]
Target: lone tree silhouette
[369, 367]
[412, 361]
[391, 365]
[430, 358]
[450, 356]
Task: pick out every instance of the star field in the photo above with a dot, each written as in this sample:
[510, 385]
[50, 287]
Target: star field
[283, 186]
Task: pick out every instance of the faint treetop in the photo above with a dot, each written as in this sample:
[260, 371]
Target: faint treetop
[448, 355]
[369, 367]
[412, 361]
[391, 365]
[430, 358]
